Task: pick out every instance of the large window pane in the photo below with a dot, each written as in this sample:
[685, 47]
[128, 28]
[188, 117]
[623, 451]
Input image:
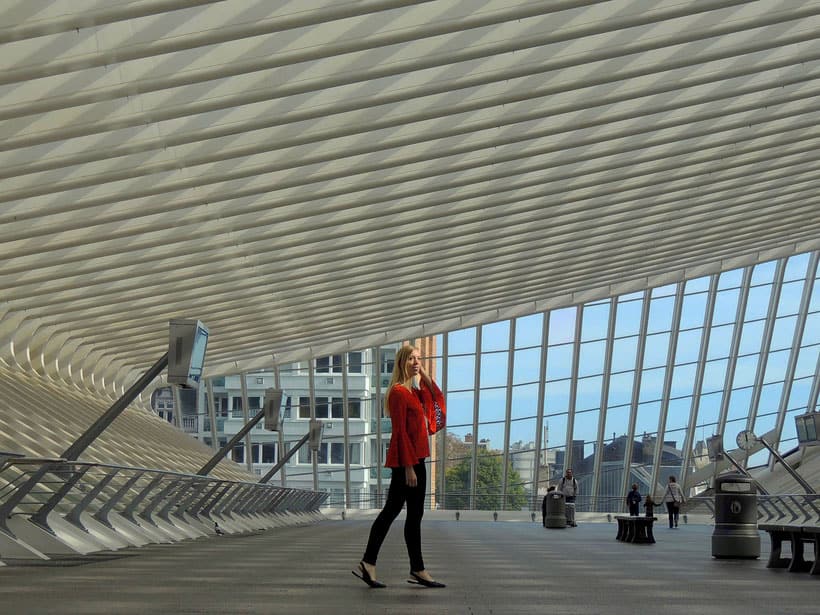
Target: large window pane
[790, 294]
[751, 337]
[652, 384]
[556, 397]
[524, 401]
[683, 379]
[562, 326]
[461, 372]
[592, 357]
[461, 342]
[620, 388]
[559, 362]
[660, 314]
[624, 353]
[628, 318]
[657, 350]
[588, 393]
[495, 336]
[757, 305]
[494, 369]
[526, 365]
[796, 267]
[693, 311]
[783, 335]
[720, 342]
[595, 322]
[460, 413]
[528, 330]
[714, 375]
[688, 347]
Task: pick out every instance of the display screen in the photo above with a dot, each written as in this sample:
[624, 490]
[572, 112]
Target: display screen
[198, 353]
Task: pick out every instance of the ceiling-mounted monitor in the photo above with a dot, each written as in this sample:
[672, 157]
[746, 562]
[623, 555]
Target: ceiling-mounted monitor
[187, 343]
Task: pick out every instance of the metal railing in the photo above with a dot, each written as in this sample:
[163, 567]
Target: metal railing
[45, 501]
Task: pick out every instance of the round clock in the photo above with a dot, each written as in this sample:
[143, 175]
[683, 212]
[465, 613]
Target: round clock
[746, 439]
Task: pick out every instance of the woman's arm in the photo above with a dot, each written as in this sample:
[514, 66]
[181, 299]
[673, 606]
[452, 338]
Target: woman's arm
[436, 398]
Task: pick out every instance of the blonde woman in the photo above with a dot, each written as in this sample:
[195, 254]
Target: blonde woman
[411, 402]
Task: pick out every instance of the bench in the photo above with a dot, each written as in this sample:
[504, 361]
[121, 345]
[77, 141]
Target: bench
[635, 529]
[797, 536]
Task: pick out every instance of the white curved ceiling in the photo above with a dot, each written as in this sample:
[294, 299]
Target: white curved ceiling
[311, 176]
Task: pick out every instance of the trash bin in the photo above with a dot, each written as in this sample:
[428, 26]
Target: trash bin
[556, 516]
[735, 535]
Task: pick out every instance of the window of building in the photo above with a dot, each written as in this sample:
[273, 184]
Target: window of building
[269, 452]
[329, 365]
[322, 407]
[328, 453]
[354, 362]
[254, 403]
[354, 408]
[236, 403]
[304, 407]
[238, 453]
[387, 359]
[333, 364]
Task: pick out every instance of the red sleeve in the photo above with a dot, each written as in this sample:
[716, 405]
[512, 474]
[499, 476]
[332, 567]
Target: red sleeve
[429, 396]
[401, 451]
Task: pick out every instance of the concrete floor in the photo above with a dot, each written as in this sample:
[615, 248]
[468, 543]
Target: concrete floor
[500, 568]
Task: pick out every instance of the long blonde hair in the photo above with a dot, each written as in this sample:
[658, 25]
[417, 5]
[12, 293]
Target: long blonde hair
[399, 373]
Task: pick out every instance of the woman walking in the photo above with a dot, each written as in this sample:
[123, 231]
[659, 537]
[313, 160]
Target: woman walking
[673, 497]
[415, 405]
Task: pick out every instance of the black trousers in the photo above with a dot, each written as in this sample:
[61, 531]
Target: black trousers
[674, 513]
[397, 495]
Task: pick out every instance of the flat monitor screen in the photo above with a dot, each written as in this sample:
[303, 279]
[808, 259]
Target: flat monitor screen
[198, 353]
[187, 345]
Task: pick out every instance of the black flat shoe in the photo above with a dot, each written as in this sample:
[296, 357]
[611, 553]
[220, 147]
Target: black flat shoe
[417, 580]
[364, 575]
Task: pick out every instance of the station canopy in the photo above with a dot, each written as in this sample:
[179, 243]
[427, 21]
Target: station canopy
[313, 176]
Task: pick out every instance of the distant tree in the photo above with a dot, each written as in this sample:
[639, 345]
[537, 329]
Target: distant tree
[488, 484]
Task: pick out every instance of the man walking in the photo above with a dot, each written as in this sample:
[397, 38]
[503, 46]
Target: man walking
[569, 487]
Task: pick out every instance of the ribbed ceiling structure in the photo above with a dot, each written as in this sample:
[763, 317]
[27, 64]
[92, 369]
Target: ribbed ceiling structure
[316, 175]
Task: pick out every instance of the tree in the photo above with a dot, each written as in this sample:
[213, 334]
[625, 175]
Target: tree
[488, 484]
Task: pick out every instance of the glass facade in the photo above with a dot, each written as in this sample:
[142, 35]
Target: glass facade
[623, 390]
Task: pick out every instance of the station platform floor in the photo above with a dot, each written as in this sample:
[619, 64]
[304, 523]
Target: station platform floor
[489, 567]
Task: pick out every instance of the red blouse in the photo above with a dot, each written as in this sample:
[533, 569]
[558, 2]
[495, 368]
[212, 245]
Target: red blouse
[412, 415]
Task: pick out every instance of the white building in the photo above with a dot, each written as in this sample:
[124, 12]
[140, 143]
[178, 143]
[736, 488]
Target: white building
[360, 385]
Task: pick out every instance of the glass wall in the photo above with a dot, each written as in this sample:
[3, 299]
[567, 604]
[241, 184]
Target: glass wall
[626, 389]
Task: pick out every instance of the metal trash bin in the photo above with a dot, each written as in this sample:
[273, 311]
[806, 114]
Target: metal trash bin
[735, 535]
[556, 516]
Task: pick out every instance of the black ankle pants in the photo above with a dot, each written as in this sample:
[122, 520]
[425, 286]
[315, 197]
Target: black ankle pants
[397, 495]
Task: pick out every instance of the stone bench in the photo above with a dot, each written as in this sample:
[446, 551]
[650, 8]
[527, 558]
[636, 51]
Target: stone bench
[797, 536]
[635, 529]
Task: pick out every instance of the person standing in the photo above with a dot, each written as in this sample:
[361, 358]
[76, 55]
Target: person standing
[673, 498]
[411, 403]
[633, 501]
[569, 487]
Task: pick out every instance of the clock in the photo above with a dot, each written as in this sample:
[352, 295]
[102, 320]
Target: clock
[746, 439]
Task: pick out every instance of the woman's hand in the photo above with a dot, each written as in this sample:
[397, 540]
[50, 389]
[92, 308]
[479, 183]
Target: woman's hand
[424, 377]
[410, 476]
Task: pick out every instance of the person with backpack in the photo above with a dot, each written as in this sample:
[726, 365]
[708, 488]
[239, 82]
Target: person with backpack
[569, 487]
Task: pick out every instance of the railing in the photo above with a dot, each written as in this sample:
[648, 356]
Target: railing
[802, 509]
[44, 502]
